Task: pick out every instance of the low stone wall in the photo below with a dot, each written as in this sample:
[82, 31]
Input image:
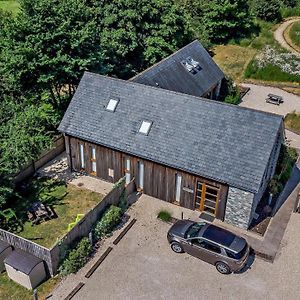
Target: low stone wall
[238, 207]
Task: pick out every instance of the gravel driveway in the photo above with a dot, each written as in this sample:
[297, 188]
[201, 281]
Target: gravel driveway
[256, 99]
[142, 266]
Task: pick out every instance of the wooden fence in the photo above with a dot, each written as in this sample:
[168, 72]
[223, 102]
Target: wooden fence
[53, 256]
[45, 157]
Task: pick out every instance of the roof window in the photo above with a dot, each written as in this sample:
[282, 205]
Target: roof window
[112, 104]
[191, 65]
[145, 127]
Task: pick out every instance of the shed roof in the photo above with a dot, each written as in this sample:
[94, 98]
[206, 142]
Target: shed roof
[22, 261]
[4, 246]
[171, 74]
[226, 143]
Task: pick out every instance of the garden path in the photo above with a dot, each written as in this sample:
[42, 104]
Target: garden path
[279, 34]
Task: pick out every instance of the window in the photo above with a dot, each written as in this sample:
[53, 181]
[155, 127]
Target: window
[191, 65]
[111, 173]
[93, 160]
[178, 179]
[82, 162]
[127, 171]
[145, 127]
[206, 245]
[112, 105]
[141, 175]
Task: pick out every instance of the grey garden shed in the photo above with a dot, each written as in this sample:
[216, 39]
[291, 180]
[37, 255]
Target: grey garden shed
[5, 250]
[25, 269]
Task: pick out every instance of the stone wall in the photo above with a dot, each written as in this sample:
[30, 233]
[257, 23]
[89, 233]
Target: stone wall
[238, 208]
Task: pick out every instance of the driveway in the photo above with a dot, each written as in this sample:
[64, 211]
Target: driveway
[142, 266]
[256, 99]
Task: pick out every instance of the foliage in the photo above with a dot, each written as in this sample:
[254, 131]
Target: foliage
[229, 92]
[286, 160]
[165, 215]
[107, 222]
[292, 121]
[76, 258]
[10, 6]
[290, 11]
[219, 21]
[295, 33]
[137, 34]
[268, 10]
[49, 45]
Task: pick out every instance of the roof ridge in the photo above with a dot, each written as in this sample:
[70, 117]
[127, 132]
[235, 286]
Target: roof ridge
[164, 59]
[215, 102]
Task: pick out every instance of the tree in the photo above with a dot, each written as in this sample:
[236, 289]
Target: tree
[137, 34]
[218, 20]
[268, 10]
[48, 47]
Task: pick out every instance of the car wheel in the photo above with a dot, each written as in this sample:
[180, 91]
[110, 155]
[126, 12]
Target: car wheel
[176, 247]
[223, 268]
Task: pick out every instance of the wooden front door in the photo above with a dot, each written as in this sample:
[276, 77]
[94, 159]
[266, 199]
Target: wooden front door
[206, 198]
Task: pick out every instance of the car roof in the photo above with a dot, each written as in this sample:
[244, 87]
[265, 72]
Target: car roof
[218, 235]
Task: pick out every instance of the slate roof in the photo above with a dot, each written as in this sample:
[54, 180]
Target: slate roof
[226, 143]
[170, 74]
[22, 261]
[4, 246]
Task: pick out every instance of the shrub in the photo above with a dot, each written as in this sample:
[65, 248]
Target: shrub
[77, 257]
[108, 221]
[164, 215]
[268, 10]
[229, 93]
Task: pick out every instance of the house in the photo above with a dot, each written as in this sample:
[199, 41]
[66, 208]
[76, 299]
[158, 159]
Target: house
[194, 152]
[190, 70]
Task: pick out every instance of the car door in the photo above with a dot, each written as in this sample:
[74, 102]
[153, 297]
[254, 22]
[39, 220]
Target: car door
[205, 250]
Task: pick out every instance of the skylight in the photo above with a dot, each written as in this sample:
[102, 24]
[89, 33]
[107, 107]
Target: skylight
[112, 104]
[191, 65]
[145, 127]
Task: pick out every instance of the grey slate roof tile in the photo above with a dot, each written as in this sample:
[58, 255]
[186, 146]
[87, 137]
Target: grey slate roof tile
[226, 143]
[170, 74]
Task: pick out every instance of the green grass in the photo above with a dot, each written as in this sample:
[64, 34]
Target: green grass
[67, 202]
[165, 215]
[295, 33]
[292, 121]
[12, 6]
[269, 73]
[12, 291]
[290, 11]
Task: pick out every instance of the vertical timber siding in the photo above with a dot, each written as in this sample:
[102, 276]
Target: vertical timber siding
[159, 180]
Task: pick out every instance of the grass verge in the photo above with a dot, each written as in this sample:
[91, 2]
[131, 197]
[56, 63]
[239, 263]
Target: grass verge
[292, 121]
[294, 34]
[13, 291]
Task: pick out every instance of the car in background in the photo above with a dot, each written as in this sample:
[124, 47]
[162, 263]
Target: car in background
[225, 250]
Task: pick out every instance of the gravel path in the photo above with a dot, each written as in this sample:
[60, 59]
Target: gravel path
[279, 37]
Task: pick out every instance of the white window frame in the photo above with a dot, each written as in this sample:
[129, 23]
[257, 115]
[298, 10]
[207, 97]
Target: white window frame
[112, 105]
[94, 164]
[178, 183]
[141, 168]
[127, 171]
[145, 127]
[82, 161]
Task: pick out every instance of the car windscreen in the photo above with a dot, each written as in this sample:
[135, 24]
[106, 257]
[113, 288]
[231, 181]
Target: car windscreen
[237, 255]
[193, 230]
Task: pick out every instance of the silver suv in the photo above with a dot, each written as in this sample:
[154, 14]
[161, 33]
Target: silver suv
[228, 252]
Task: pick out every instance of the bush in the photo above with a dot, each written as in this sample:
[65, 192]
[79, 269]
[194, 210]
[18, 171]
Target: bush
[108, 221]
[229, 93]
[77, 257]
[164, 215]
[268, 10]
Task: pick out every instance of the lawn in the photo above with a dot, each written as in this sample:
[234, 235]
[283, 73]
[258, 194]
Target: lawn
[12, 6]
[294, 34]
[12, 291]
[292, 121]
[233, 59]
[66, 200]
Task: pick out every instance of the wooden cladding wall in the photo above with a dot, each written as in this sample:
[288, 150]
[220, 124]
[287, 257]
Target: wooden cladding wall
[159, 180]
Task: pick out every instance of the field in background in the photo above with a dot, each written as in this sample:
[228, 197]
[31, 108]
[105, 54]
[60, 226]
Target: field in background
[12, 6]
